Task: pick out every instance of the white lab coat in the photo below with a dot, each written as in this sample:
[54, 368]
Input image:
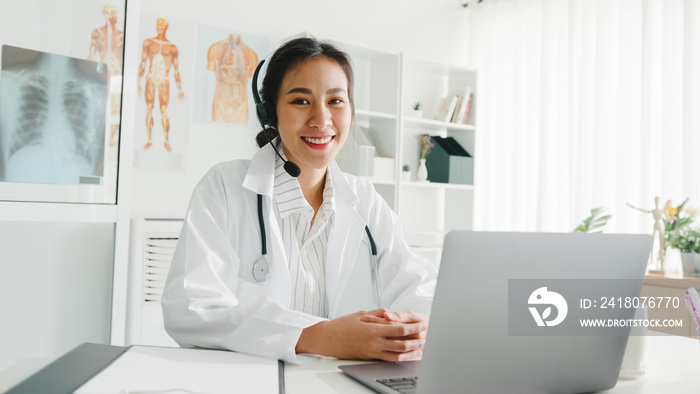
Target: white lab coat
[211, 298]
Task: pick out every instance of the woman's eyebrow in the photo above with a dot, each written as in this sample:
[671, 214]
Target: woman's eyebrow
[308, 91]
[300, 90]
[335, 91]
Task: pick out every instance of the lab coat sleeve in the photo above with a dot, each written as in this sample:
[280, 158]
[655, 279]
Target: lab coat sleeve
[200, 306]
[407, 281]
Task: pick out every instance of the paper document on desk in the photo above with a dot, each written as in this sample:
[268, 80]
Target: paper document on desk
[144, 369]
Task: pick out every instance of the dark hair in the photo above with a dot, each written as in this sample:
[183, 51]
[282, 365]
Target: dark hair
[286, 58]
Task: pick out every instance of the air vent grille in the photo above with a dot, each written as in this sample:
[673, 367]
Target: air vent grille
[158, 254]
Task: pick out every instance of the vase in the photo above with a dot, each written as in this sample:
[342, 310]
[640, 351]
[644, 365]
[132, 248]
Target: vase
[422, 174]
[633, 363]
[691, 263]
[405, 176]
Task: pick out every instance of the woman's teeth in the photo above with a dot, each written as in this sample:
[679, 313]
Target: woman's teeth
[318, 141]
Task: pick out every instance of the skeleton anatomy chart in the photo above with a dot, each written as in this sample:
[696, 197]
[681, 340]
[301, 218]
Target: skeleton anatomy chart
[234, 63]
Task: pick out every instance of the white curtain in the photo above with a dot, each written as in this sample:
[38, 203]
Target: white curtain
[581, 104]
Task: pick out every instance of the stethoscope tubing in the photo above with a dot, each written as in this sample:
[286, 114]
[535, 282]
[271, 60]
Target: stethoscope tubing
[263, 259]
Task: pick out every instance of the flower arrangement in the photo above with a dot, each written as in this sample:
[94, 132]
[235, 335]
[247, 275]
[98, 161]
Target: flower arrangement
[678, 217]
[686, 239]
[426, 145]
[677, 225]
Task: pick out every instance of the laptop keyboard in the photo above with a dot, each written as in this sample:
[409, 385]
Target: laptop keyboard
[402, 385]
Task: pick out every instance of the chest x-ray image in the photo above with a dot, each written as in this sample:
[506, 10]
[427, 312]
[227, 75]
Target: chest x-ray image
[53, 113]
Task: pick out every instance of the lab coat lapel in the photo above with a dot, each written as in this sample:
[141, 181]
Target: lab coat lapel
[260, 180]
[261, 173]
[344, 241]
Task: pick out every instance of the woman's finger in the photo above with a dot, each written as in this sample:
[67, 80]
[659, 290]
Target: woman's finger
[402, 330]
[375, 319]
[395, 357]
[403, 346]
[404, 317]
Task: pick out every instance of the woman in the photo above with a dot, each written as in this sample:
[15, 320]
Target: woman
[311, 290]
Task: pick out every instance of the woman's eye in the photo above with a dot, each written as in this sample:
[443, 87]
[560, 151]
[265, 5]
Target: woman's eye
[335, 101]
[300, 101]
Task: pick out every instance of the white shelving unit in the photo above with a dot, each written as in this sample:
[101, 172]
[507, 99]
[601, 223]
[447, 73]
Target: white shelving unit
[386, 86]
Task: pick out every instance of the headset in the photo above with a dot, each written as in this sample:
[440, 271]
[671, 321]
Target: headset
[264, 113]
[261, 268]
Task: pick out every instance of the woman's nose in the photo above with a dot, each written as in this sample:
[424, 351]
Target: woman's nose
[320, 117]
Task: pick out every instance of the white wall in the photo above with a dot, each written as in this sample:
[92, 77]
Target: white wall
[430, 29]
[54, 285]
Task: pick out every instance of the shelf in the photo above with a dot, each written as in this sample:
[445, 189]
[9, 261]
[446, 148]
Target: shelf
[439, 124]
[373, 114]
[437, 185]
[57, 212]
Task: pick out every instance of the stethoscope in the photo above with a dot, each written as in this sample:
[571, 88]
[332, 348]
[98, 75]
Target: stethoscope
[261, 268]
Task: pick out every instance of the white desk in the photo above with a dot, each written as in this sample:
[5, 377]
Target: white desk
[673, 366]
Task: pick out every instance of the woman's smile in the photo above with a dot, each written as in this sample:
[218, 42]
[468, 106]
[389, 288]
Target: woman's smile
[318, 142]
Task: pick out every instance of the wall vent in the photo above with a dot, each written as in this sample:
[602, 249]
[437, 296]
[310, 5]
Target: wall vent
[158, 253]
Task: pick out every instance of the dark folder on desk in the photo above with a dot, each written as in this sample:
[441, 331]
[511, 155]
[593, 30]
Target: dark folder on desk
[103, 368]
[71, 370]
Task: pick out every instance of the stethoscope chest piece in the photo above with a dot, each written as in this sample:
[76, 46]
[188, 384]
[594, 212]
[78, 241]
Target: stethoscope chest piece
[261, 269]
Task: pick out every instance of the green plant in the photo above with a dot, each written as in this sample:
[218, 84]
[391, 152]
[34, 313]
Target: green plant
[416, 106]
[685, 239]
[406, 168]
[595, 222]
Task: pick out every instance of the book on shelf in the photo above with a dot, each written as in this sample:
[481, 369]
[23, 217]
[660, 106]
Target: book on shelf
[455, 107]
[455, 113]
[446, 108]
[462, 111]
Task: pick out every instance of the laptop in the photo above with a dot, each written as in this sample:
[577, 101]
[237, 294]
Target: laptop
[508, 310]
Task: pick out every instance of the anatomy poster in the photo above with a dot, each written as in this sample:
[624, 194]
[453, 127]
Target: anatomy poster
[53, 118]
[100, 37]
[226, 60]
[164, 97]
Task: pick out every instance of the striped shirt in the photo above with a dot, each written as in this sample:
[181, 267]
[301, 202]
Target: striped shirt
[305, 242]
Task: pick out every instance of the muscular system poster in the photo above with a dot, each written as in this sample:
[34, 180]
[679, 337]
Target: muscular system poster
[164, 77]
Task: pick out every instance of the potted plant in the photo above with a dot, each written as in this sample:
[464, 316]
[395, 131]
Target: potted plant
[417, 110]
[594, 223]
[406, 173]
[687, 241]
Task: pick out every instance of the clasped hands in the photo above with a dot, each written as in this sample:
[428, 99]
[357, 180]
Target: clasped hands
[366, 335]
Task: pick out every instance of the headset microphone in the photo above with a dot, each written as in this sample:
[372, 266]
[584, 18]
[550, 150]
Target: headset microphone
[264, 112]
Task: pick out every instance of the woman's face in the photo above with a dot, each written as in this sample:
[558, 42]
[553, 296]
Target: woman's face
[314, 113]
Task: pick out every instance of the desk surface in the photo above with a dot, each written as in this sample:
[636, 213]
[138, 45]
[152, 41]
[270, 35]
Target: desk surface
[673, 366]
[672, 279]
